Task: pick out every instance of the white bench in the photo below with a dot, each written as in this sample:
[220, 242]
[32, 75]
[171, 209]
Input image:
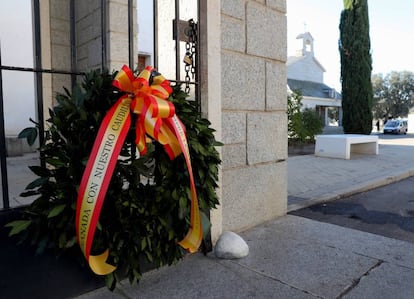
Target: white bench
[341, 146]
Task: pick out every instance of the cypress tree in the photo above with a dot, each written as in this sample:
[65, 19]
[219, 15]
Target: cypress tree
[356, 67]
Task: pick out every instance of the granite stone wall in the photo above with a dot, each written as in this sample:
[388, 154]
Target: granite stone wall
[243, 87]
[56, 49]
[254, 120]
[59, 44]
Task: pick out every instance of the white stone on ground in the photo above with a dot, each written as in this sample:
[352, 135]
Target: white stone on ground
[231, 246]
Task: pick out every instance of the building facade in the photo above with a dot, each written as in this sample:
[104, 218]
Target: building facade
[305, 74]
[242, 85]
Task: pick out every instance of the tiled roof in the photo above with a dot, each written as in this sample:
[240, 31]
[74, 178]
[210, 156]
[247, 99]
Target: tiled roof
[313, 89]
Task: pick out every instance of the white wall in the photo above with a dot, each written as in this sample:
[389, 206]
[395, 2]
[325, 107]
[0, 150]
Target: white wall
[145, 14]
[166, 44]
[411, 123]
[305, 69]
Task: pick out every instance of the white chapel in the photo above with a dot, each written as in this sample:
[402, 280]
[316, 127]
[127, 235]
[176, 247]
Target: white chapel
[305, 74]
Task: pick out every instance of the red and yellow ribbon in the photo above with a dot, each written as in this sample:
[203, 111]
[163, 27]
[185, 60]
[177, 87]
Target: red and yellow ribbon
[157, 119]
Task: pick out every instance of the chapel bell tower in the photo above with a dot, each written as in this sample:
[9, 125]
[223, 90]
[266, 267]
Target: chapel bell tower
[307, 44]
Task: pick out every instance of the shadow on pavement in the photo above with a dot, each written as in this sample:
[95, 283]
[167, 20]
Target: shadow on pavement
[386, 211]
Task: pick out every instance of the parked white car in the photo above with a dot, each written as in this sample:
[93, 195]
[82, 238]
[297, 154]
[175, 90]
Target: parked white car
[396, 126]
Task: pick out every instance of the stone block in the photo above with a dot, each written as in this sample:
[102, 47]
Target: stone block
[118, 46]
[84, 8]
[88, 28]
[233, 35]
[60, 9]
[82, 53]
[243, 82]
[14, 146]
[82, 64]
[266, 137]
[123, 2]
[60, 25]
[279, 5]
[266, 32]
[234, 8]
[117, 64]
[276, 94]
[118, 17]
[59, 81]
[94, 52]
[82, 29]
[60, 57]
[234, 127]
[233, 155]
[253, 195]
[59, 37]
[95, 21]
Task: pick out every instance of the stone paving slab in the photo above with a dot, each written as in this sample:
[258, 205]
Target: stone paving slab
[323, 259]
[290, 257]
[201, 276]
[349, 240]
[386, 281]
[207, 277]
[322, 270]
[19, 176]
[314, 179]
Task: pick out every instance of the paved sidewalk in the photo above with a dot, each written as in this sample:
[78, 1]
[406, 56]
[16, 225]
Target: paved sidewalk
[294, 257]
[314, 179]
[291, 257]
[19, 176]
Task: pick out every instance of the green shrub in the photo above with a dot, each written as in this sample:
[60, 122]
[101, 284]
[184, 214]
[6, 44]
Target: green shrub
[147, 205]
[302, 125]
[312, 123]
[294, 115]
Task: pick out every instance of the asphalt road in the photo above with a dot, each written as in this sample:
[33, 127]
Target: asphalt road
[387, 211]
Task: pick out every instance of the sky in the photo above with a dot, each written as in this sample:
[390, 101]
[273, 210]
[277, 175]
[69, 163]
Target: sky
[391, 34]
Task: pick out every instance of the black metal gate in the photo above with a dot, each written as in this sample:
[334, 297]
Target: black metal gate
[185, 34]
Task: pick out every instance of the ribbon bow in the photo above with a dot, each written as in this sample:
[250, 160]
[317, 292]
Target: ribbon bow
[150, 102]
[147, 96]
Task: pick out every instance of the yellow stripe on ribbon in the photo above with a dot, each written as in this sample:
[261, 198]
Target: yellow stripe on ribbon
[96, 179]
[156, 118]
[192, 240]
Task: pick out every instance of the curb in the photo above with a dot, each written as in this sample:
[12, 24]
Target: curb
[349, 191]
